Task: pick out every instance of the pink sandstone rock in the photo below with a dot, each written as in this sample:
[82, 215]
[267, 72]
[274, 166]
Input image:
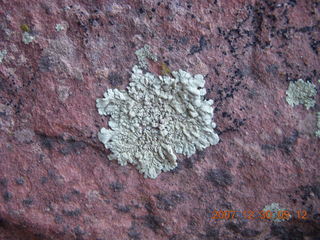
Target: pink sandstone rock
[55, 179]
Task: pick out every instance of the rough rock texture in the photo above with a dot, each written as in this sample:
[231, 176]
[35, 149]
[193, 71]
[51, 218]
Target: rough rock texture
[55, 179]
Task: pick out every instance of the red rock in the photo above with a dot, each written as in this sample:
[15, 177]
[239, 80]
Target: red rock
[249, 51]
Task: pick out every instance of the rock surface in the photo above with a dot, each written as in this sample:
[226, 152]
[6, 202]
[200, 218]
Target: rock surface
[55, 179]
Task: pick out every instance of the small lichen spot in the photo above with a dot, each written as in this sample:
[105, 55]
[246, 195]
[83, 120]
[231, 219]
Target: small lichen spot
[143, 54]
[317, 133]
[301, 92]
[276, 211]
[156, 118]
[3, 53]
[59, 27]
[27, 38]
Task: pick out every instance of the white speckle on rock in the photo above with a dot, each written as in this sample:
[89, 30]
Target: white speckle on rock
[3, 53]
[59, 27]
[63, 93]
[27, 38]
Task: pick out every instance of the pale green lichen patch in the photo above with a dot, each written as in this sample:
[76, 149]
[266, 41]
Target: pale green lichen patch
[156, 118]
[276, 211]
[143, 54]
[317, 133]
[27, 38]
[3, 53]
[59, 27]
[301, 92]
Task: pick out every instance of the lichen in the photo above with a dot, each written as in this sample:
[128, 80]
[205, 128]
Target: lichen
[165, 70]
[143, 54]
[317, 132]
[301, 92]
[59, 27]
[27, 38]
[276, 212]
[24, 28]
[156, 118]
[3, 53]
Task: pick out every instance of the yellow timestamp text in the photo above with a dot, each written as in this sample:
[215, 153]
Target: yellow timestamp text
[263, 215]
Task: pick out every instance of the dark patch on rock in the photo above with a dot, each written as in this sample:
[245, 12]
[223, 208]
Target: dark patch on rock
[153, 222]
[72, 146]
[177, 169]
[268, 147]
[46, 141]
[75, 192]
[211, 233]
[44, 180]
[250, 233]
[79, 232]
[72, 213]
[292, 3]
[141, 10]
[134, 234]
[66, 146]
[195, 49]
[314, 45]
[316, 189]
[183, 40]
[4, 182]
[46, 63]
[316, 217]
[290, 233]
[202, 42]
[288, 142]
[95, 22]
[7, 196]
[305, 192]
[58, 219]
[169, 201]
[190, 161]
[116, 186]
[177, 237]
[272, 68]
[234, 227]
[19, 181]
[219, 177]
[27, 202]
[149, 207]
[198, 48]
[122, 208]
[193, 224]
[3, 223]
[115, 79]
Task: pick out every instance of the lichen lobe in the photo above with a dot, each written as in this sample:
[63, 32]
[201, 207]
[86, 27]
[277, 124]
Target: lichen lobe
[156, 118]
[301, 92]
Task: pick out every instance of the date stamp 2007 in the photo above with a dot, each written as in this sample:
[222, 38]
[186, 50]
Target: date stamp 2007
[281, 215]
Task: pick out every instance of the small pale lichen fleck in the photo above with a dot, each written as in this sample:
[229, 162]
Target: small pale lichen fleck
[3, 53]
[143, 54]
[156, 118]
[301, 92]
[317, 133]
[27, 38]
[276, 212]
[59, 27]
